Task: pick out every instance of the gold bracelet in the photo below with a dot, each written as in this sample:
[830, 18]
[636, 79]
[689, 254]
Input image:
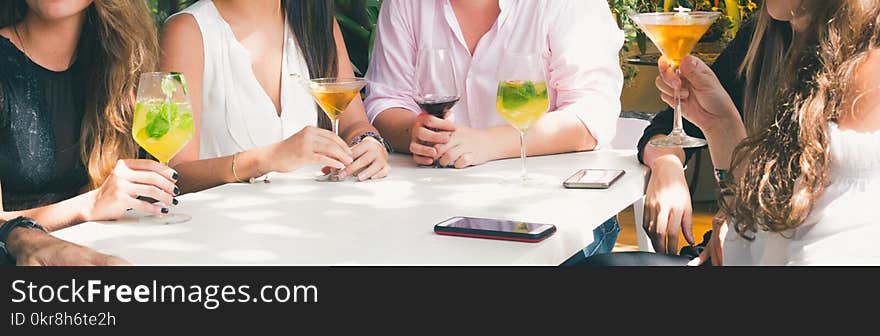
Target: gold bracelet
[251, 180]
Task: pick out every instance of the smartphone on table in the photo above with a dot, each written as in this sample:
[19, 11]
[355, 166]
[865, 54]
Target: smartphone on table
[593, 179]
[495, 229]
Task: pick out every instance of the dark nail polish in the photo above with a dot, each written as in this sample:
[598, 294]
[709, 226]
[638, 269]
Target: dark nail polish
[175, 176]
[147, 199]
[175, 201]
[165, 210]
[176, 191]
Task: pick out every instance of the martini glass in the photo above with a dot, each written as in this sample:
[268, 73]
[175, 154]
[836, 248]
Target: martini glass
[334, 95]
[676, 34]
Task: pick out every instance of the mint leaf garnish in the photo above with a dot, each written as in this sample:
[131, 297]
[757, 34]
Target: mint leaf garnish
[528, 91]
[158, 123]
[185, 121]
[182, 80]
[172, 111]
[168, 87]
[512, 95]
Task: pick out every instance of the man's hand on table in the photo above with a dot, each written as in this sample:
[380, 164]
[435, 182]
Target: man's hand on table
[36, 248]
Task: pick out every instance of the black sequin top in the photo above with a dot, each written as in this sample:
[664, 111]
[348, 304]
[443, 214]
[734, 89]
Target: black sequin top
[41, 112]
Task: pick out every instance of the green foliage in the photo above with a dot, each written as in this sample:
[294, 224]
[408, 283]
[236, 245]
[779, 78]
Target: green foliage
[162, 9]
[357, 20]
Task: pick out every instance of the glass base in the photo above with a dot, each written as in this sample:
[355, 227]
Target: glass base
[678, 141]
[331, 177]
[530, 181]
[166, 219]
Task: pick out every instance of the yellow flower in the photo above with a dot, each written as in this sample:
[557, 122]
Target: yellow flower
[751, 6]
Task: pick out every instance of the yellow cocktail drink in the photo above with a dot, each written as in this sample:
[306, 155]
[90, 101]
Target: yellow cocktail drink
[162, 128]
[676, 38]
[522, 103]
[334, 100]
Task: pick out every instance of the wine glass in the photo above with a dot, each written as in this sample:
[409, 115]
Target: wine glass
[436, 84]
[676, 34]
[334, 95]
[163, 123]
[522, 95]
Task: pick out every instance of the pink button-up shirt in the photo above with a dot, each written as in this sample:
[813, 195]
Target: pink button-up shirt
[579, 41]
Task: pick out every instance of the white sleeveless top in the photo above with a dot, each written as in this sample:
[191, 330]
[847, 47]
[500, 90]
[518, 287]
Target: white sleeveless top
[843, 227]
[237, 114]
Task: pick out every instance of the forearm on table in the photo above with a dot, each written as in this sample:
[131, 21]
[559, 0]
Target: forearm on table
[395, 125]
[204, 174]
[555, 133]
[59, 215]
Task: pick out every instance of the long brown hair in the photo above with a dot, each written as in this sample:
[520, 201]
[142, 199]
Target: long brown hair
[791, 96]
[312, 24]
[118, 43]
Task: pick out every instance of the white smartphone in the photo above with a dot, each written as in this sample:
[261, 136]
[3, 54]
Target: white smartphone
[593, 179]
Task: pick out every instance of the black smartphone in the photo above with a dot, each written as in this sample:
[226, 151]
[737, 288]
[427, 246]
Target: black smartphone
[593, 179]
[495, 229]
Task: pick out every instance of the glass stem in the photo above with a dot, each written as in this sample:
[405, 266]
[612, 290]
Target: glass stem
[678, 126]
[335, 123]
[162, 216]
[522, 152]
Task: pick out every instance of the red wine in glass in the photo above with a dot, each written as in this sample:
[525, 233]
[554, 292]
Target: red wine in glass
[436, 86]
[437, 106]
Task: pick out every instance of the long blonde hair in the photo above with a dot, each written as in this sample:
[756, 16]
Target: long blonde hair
[118, 43]
[792, 92]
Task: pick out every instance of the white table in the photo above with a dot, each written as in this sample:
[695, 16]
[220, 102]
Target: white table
[295, 220]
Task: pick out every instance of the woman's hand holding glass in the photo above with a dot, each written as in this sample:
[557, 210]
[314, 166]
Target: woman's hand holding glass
[130, 180]
[705, 102]
[370, 161]
[311, 145]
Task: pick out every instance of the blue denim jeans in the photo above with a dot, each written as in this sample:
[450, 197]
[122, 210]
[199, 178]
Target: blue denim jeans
[604, 238]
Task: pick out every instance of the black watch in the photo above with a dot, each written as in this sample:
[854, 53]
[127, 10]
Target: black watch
[7, 228]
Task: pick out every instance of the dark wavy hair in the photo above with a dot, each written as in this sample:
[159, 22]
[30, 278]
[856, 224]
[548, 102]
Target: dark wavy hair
[791, 97]
[312, 23]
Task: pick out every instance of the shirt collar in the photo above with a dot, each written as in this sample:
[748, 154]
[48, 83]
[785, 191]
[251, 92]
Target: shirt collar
[505, 5]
